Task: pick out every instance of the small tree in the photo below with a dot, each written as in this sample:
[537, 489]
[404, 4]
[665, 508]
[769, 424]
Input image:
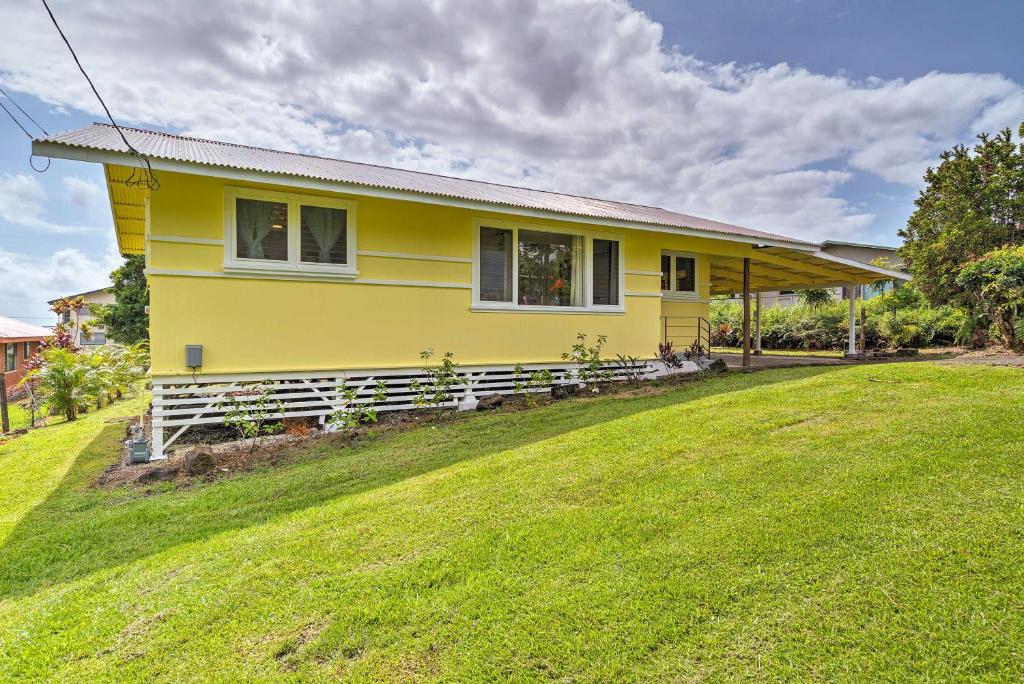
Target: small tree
[254, 417]
[998, 281]
[67, 380]
[815, 296]
[440, 381]
[589, 366]
[126, 320]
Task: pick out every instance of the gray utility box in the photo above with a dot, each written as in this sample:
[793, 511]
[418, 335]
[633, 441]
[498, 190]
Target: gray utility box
[193, 355]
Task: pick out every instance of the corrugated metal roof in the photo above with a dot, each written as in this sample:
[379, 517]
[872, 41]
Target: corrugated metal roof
[12, 329]
[158, 145]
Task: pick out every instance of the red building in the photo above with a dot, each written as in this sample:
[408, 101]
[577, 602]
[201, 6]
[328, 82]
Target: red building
[18, 341]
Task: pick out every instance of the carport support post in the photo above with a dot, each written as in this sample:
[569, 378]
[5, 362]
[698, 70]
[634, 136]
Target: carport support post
[746, 311]
[757, 322]
[852, 350]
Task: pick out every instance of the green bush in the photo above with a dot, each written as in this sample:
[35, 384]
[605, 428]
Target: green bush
[899, 318]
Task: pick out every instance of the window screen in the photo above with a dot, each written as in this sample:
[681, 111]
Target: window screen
[686, 277]
[606, 273]
[495, 265]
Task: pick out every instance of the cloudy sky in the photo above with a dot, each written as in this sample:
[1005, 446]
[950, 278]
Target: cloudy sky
[812, 119]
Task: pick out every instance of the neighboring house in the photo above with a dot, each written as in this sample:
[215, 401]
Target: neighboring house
[83, 314]
[18, 342]
[855, 251]
[313, 273]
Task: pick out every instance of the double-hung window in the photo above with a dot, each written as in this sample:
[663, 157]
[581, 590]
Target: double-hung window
[538, 269]
[678, 275]
[288, 233]
[10, 357]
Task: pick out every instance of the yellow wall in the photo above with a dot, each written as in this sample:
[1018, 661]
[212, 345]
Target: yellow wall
[258, 324]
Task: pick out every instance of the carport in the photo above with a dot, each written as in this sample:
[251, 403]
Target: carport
[779, 268]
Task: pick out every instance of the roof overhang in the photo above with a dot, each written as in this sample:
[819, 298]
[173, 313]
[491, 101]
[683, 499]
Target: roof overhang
[775, 268]
[128, 204]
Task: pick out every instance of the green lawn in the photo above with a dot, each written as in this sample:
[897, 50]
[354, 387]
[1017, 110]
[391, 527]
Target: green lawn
[825, 523]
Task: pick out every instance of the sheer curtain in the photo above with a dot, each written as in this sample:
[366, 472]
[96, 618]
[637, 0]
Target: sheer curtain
[254, 219]
[326, 227]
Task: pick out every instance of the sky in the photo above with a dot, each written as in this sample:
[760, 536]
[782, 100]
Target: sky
[810, 119]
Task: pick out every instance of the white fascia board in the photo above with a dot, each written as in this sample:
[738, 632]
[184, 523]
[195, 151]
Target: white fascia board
[42, 148]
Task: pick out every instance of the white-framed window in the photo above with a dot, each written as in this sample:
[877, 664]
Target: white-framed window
[523, 267]
[277, 232]
[678, 275]
[28, 350]
[10, 358]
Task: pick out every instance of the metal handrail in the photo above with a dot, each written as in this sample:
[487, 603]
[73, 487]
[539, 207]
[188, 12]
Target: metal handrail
[700, 326]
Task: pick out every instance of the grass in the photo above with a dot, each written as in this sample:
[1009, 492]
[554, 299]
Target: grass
[820, 523]
[18, 416]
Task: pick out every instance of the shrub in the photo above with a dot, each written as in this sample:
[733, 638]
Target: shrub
[437, 390]
[254, 417]
[352, 411]
[667, 356]
[529, 385]
[898, 318]
[588, 361]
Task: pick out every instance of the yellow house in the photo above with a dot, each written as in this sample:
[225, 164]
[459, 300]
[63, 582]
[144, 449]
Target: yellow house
[310, 272]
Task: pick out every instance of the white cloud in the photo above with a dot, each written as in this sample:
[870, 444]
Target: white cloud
[23, 202]
[31, 282]
[574, 95]
[86, 195]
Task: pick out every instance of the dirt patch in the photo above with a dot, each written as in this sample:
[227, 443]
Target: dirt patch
[208, 460]
[991, 356]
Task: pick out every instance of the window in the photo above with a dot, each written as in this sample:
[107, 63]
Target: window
[285, 233]
[97, 338]
[606, 273]
[678, 275]
[535, 269]
[323, 235]
[65, 317]
[262, 229]
[28, 350]
[495, 265]
[10, 358]
[550, 269]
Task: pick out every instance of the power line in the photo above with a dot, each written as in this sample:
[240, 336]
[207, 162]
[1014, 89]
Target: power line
[15, 120]
[150, 181]
[4, 93]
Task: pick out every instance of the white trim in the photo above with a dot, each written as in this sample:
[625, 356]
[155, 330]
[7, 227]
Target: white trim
[497, 308]
[294, 263]
[43, 148]
[182, 239]
[681, 295]
[633, 293]
[633, 271]
[417, 257]
[270, 275]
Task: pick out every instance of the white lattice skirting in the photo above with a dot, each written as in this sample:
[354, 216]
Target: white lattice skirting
[179, 402]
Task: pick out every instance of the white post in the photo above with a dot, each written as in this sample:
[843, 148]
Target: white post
[757, 323]
[852, 350]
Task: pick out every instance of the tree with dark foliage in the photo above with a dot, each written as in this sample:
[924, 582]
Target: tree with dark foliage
[126, 320]
[972, 205]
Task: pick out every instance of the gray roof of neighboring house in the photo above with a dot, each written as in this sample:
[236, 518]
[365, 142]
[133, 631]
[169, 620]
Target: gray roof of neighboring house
[166, 146]
[83, 294]
[11, 328]
[839, 243]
